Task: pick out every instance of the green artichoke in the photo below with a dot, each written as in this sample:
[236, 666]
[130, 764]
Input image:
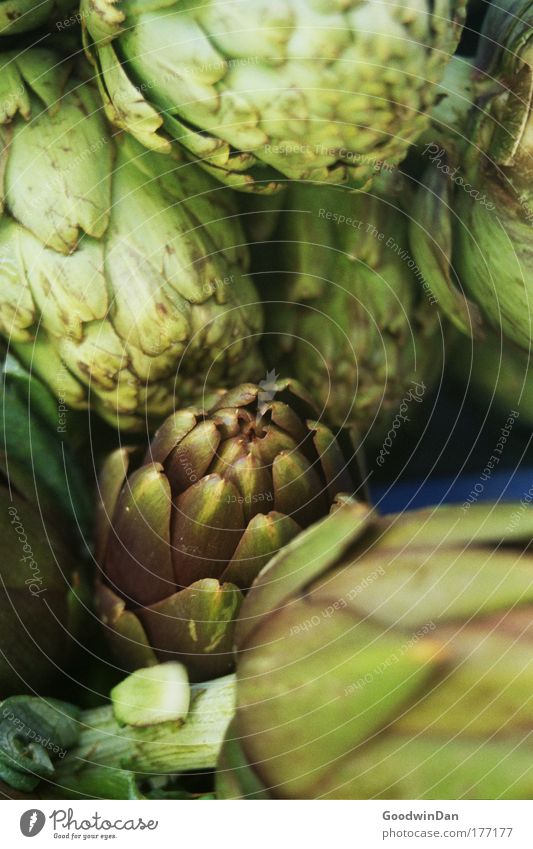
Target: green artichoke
[346, 310]
[389, 658]
[18, 16]
[471, 232]
[305, 89]
[180, 535]
[122, 272]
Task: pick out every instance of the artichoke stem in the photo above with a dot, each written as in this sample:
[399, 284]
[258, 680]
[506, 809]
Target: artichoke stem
[169, 747]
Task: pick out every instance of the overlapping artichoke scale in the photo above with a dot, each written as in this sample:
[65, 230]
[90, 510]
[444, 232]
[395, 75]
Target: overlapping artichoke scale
[131, 315]
[318, 682]
[367, 680]
[129, 265]
[199, 621]
[266, 534]
[216, 489]
[345, 309]
[494, 257]
[479, 256]
[472, 238]
[219, 491]
[314, 91]
[193, 626]
[147, 616]
[138, 551]
[17, 311]
[57, 180]
[29, 79]
[302, 561]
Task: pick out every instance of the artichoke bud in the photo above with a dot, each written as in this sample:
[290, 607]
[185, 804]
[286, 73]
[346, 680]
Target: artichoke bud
[392, 659]
[346, 309]
[122, 267]
[183, 532]
[293, 95]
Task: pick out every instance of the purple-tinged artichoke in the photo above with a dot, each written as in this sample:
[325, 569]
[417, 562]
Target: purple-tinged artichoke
[181, 535]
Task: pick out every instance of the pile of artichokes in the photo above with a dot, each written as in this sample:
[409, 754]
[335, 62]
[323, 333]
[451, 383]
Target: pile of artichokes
[246, 250]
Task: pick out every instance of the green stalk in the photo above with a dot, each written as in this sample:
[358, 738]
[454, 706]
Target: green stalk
[169, 747]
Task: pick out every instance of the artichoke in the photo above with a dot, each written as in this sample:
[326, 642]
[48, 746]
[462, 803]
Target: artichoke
[122, 272]
[18, 16]
[346, 310]
[305, 89]
[183, 533]
[471, 233]
[389, 657]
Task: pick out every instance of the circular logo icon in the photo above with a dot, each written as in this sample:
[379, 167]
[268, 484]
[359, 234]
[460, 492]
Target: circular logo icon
[32, 822]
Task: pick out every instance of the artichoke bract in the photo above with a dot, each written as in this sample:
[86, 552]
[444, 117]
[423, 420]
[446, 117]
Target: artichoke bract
[122, 272]
[18, 16]
[304, 89]
[389, 658]
[473, 215]
[180, 536]
[345, 308]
